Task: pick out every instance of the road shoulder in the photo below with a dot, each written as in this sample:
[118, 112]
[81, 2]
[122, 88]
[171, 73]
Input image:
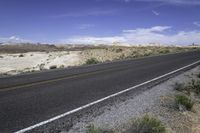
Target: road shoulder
[154, 102]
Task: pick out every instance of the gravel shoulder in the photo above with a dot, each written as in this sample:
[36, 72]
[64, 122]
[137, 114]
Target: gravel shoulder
[157, 101]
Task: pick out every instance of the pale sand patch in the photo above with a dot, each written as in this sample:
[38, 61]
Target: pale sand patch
[34, 61]
[64, 60]
[12, 62]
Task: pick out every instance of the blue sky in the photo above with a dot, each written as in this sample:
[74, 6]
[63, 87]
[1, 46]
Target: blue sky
[100, 21]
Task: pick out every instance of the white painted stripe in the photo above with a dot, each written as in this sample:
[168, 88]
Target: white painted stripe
[103, 99]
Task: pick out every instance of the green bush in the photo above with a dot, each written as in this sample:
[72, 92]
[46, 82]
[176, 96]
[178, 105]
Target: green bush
[147, 54]
[164, 51]
[185, 101]
[195, 86]
[146, 124]
[92, 61]
[53, 67]
[122, 56]
[198, 75]
[93, 129]
[21, 55]
[119, 50]
[179, 86]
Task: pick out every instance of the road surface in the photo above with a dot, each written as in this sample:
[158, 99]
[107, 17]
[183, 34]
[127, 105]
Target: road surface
[28, 99]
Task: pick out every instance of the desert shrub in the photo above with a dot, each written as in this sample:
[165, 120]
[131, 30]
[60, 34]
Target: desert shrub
[62, 66]
[184, 101]
[93, 129]
[21, 55]
[147, 54]
[194, 48]
[179, 86]
[41, 66]
[122, 56]
[53, 67]
[92, 61]
[136, 54]
[146, 124]
[107, 60]
[164, 51]
[195, 86]
[198, 75]
[118, 50]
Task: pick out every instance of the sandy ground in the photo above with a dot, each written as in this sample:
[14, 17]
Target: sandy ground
[11, 64]
[158, 102]
[15, 63]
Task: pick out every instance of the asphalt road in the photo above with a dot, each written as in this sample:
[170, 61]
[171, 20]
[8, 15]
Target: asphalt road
[31, 98]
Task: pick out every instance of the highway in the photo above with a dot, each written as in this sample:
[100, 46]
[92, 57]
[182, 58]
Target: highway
[28, 99]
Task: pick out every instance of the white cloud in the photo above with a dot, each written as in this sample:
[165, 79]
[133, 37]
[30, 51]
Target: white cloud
[127, 0]
[155, 13]
[91, 12]
[174, 2]
[197, 23]
[85, 26]
[148, 30]
[12, 39]
[155, 34]
[150, 36]
[93, 40]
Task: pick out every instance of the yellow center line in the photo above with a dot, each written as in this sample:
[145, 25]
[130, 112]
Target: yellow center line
[59, 79]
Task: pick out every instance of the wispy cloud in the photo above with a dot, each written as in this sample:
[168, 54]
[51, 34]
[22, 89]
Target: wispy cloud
[93, 40]
[147, 7]
[14, 39]
[91, 12]
[174, 2]
[156, 34]
[127, 0]
[85, 26]
[197, 23]
[155, 13]
[148, 30]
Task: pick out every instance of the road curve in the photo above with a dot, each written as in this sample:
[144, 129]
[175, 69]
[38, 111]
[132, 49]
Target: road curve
[28, 99]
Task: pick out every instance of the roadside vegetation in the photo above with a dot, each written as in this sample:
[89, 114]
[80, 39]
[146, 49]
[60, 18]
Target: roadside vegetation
[192, 88]
[184, 102]
[110, 53]
[188, 92]
[198, 75]
[93, 129]
[195, 86]
[176, 111]
[146, 124]
[53, 67]
[92, 61]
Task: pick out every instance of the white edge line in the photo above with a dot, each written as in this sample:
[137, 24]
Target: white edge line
[100, 100]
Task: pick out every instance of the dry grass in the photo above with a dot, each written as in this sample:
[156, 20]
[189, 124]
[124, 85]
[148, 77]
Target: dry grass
[184, 101]
[146, 124]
